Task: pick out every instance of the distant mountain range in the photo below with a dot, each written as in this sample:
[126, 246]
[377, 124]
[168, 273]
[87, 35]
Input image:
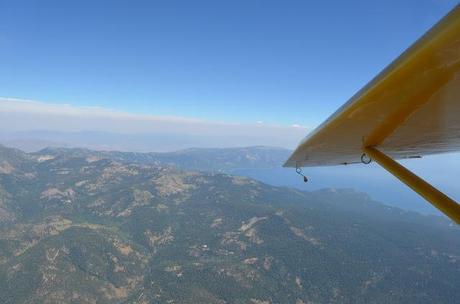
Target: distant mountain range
[198, 159]
[79, 226]
[163, 140]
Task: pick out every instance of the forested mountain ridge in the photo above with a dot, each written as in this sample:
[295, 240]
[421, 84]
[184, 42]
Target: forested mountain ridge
[87, 229]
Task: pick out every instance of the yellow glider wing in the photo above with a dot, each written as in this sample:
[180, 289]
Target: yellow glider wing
[411, 109]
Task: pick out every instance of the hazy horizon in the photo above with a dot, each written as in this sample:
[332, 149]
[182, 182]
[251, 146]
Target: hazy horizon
[111, 129]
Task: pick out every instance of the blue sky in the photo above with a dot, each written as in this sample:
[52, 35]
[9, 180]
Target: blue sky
[281, 62]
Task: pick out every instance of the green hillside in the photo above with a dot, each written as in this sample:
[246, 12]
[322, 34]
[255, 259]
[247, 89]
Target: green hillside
[80, 228]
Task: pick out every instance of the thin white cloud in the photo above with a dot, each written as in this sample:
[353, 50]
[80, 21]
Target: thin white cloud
[26, 115]
[298, 126]
[15, 105]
